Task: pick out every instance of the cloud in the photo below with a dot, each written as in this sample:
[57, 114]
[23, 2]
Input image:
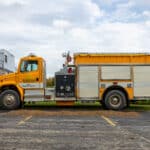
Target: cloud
[11, 2]
[49, 28]
[61, 24]
[112, 37]
[123, 12]
[76, 12]
[146, 13]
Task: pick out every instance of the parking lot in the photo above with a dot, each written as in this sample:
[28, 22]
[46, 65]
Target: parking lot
[74, 128]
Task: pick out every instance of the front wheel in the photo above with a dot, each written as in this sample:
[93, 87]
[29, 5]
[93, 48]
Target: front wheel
[115, 100]
[10, 99]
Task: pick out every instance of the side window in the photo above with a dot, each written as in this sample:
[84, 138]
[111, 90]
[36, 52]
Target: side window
[6, 59]
[28, 66]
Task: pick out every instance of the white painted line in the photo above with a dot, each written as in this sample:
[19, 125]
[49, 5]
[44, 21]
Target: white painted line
[109, 121]
[24, 120]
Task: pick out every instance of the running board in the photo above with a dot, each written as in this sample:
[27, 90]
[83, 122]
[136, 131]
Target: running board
[65, 99]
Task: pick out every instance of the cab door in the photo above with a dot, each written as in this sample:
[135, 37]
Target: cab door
[30, 80]
[30, 74]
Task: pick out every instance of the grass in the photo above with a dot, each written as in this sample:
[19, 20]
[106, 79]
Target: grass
[138, 106]
[52, 103]
[146, 102]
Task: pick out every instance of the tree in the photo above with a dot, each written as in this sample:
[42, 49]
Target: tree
[50, 82]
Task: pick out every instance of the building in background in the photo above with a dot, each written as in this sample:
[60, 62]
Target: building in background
[7, 62]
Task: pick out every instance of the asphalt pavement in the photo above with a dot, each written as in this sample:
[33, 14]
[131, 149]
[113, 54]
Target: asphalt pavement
[73, 129]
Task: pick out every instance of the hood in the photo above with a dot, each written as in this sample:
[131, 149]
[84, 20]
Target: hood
[11, 77]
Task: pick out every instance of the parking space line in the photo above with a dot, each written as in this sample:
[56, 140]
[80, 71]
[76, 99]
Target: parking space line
[24, 120]
[109, 121]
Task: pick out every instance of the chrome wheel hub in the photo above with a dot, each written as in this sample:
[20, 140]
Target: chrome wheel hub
[9, 99]
[115, 100]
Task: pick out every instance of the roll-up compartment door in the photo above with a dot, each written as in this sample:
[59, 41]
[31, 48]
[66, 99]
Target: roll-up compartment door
[141, 81]
[88, 83]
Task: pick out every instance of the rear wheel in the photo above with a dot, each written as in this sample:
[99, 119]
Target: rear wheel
[103, 104]
[115, 100]
[10, 99]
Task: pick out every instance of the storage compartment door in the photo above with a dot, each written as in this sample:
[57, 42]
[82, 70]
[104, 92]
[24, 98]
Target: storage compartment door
[142, 81]
[88, 83]
[116, 72]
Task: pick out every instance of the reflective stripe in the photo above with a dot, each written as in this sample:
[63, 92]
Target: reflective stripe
[31, 85]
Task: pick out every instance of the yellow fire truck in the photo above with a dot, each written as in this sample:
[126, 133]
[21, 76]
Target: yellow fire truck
[112, 79]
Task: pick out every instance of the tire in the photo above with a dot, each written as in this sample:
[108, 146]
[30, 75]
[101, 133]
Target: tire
[10, 100]
[103, 104]
[115, 100]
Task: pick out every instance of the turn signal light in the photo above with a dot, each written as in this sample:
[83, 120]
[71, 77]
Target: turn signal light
[115, 83]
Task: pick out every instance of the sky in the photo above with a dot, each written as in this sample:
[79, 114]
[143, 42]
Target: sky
[50, 28]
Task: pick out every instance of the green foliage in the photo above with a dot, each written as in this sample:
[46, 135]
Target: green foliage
[50, 82]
